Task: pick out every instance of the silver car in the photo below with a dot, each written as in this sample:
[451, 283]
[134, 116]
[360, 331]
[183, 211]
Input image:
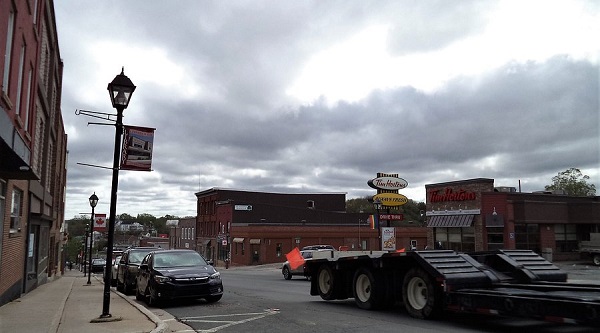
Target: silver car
[307, 254]
[287, 270]
[113, 269]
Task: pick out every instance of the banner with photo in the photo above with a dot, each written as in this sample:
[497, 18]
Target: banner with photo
[100, 223]
[388, 239]
[137, 148]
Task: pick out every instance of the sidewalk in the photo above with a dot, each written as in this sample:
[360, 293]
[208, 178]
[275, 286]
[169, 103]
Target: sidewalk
[68, 304]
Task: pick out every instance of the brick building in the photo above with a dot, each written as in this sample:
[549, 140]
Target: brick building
[33, 147]
[473, 215]
[259, 228]
[182, 233]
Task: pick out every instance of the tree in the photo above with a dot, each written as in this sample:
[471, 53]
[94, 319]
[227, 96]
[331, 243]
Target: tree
[573, 182]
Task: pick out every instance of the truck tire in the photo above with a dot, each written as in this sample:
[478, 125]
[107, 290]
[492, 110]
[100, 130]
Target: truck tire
[368, 289]
[596, 259]
[328, 283]
[421, 297]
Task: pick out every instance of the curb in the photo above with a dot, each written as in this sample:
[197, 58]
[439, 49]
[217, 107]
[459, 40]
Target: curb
[161, 326]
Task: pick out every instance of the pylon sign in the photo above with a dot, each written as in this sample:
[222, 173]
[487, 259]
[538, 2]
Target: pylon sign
[391, 199]
[388, 183]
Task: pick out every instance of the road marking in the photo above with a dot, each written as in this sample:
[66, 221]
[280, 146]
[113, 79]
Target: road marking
[213, 319]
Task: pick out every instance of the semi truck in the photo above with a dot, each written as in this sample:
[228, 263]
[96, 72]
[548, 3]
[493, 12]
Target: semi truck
[516, 283]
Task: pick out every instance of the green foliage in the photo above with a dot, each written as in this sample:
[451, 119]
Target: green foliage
[359, 205]
[76, 226]
[573, 182]
[126, 217]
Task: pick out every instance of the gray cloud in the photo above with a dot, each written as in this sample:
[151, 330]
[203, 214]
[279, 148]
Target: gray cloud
[523, 121]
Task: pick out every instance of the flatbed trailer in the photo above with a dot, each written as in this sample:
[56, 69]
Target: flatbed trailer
[503, 282]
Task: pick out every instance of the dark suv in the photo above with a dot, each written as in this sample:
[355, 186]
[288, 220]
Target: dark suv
[128, 268]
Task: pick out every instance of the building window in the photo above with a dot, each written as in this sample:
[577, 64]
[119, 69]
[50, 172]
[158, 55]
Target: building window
[28, 99]
[2, 203]
[527, 237]
[278, 250]
[16, 209]
[20, 81]
[495, 238]
[8, 51]
[566, 237]
[457, 239]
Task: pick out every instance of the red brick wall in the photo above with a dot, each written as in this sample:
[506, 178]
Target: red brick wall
[13, 256]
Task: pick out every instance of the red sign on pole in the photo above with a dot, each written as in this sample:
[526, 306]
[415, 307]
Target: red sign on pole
[100, 222]
[396, 217]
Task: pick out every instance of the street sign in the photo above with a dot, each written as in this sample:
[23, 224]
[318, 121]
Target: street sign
[395, 217]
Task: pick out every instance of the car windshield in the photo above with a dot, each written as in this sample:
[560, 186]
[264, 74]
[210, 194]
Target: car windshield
[99, 261]
[178, 259]
[135, 257]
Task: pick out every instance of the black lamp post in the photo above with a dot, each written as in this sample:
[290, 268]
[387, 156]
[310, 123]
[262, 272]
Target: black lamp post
[120, 90]
[377, 205]
[85, 252]
[93, 202]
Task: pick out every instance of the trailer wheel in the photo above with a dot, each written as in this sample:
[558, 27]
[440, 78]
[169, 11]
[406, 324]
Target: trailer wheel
[327, 281]
[597, 259]
[369, 291]
[421, 298]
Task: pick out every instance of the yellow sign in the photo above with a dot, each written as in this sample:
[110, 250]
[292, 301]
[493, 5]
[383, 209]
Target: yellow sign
[391, 199]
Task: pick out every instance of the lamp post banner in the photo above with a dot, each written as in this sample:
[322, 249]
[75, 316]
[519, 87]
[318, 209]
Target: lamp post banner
[100, 223]
[137, 148]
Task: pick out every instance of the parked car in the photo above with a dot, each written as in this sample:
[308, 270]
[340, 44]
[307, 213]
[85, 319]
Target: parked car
[306, 252]
[113, 270]
[128, 267]
[176, 274]
[98, 265]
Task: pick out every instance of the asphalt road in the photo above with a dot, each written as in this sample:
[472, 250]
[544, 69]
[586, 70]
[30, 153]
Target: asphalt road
[258, 299]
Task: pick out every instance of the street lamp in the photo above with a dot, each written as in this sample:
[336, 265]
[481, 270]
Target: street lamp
[120, 90]
[85, 252]
[93, 202]
[377, 204]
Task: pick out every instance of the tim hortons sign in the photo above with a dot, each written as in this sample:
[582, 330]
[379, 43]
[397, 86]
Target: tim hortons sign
[387, 183]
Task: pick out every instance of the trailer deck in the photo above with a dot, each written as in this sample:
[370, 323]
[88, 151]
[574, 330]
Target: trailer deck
[503, 282]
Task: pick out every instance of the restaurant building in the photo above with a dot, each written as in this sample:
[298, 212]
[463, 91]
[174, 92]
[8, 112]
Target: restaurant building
[474, 215]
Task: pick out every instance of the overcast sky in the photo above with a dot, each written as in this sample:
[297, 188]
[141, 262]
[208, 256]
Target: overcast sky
[319, 96]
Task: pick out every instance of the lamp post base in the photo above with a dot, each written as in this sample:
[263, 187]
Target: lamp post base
[105, 319]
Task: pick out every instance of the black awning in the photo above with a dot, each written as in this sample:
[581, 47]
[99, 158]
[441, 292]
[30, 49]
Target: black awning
[450, 221]
[12, 166]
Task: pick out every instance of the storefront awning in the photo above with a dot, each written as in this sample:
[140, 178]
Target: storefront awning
[13, 163]
[255, 241]
[450, 221]
[238, 240]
